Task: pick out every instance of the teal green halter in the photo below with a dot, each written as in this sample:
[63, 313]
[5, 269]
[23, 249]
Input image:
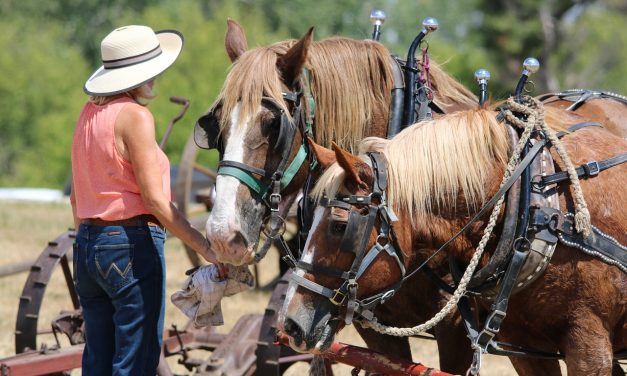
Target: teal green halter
[252, 177]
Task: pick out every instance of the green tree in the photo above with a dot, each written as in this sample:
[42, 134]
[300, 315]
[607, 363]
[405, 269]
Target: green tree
[40, 92]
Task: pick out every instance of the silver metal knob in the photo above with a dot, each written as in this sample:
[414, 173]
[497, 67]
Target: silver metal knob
[377, 17]
[482, 75]
[531, 65]
[429, 24]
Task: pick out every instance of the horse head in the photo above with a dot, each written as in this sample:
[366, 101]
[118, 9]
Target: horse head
[349, 263]
[258, 126]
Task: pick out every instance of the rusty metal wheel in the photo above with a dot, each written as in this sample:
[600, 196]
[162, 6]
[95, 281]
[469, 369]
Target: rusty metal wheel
[29, 311]
[185, 191]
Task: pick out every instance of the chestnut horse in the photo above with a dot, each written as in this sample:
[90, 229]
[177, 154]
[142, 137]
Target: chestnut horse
[439, 173]
[349, 82]
[609, 110]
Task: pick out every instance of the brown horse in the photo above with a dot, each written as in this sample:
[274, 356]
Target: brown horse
[608, 111]
[439, 173]
[350, 82]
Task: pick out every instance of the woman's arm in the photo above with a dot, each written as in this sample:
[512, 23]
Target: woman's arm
[136, 129]
[73, 202]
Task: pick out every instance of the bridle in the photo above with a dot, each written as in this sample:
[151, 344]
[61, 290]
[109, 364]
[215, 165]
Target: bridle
[355, 240]
[253, 177]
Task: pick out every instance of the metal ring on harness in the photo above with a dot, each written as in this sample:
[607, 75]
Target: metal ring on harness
[268, 231]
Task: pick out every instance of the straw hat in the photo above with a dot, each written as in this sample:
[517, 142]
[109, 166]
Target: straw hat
[131, 56]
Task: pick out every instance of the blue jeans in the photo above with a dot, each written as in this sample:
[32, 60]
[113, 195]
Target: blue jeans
[119, 274]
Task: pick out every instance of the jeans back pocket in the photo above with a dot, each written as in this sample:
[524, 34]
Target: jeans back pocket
[115, 264]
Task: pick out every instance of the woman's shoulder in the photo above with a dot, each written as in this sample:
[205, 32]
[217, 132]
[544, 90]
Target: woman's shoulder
[135, 113]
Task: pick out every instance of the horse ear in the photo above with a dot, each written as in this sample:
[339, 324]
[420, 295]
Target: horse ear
[291, 64]
[324, 156]
[235, 40]
[351, 164]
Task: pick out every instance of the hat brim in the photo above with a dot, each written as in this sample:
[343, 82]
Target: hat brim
[105, 82]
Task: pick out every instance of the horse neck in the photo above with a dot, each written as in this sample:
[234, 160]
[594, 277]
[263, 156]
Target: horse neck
[432, 230]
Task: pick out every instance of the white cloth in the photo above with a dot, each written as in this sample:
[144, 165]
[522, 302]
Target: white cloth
[203, 290]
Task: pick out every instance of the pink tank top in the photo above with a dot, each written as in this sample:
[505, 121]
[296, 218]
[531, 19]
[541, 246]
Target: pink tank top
[104, 183]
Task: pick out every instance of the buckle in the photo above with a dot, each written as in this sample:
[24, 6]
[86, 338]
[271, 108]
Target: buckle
[387, 295]
[494, 320]
[275, 199]
[591, 168]
[334, 300]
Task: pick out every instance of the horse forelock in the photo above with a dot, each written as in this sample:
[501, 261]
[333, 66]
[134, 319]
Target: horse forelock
[253, 76]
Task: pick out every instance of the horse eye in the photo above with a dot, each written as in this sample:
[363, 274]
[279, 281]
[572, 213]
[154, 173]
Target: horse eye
[338, 227]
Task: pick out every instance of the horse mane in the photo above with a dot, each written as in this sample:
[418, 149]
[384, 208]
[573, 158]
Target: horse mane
[351, 82]
[430, 163]
[449, 94]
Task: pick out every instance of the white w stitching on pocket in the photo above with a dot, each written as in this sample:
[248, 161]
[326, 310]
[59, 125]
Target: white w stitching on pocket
[113, 266]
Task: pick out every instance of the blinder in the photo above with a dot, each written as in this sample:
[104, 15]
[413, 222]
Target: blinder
[358, 227]
[286, 127]
[207, 132]
[355, 240]
[207, 129]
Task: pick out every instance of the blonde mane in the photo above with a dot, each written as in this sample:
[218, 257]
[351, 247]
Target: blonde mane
[449, 94]
[351, 81]
[431, 163]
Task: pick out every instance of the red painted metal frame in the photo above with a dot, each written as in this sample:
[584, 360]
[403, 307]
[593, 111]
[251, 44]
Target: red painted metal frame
[372, 361]
[38, 363]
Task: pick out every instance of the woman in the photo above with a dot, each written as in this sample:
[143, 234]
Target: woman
[121, 205]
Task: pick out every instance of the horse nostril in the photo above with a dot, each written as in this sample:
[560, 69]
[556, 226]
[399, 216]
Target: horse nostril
[293, 330]
[238, 239]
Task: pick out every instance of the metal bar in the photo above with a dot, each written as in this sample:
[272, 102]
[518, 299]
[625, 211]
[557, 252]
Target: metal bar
[15, 268]
[37, 363]
[372, 361]
[69, 281]
[204, 170]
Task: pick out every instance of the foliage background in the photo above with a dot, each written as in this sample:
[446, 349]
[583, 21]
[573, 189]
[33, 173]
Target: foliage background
[49, 48]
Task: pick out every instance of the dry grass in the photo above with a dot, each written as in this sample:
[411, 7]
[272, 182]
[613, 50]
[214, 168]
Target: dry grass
[25, 229]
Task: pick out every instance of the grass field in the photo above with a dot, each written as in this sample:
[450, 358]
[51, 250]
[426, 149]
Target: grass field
[26, 228]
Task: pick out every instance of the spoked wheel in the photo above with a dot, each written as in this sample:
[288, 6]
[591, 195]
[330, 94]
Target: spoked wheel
[69, 323]
[186, 188]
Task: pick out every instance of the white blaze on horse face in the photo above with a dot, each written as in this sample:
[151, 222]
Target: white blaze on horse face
[308, 253]
[223, 217]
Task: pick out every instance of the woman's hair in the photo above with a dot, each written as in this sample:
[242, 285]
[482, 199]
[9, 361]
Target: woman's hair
[142, 95]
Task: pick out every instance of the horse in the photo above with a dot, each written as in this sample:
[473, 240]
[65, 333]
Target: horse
[437, 174]
[609, 109]
[258, 123]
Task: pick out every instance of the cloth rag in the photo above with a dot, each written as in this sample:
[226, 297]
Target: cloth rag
[202, 292]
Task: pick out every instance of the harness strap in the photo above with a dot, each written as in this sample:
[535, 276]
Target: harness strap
[577, 127]
[598, 244]
[313, 286]
[333, 272]
[294, 166]
[372, 255]
[493, 323]
[246, 178]
[245, 167]
[586, 170]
